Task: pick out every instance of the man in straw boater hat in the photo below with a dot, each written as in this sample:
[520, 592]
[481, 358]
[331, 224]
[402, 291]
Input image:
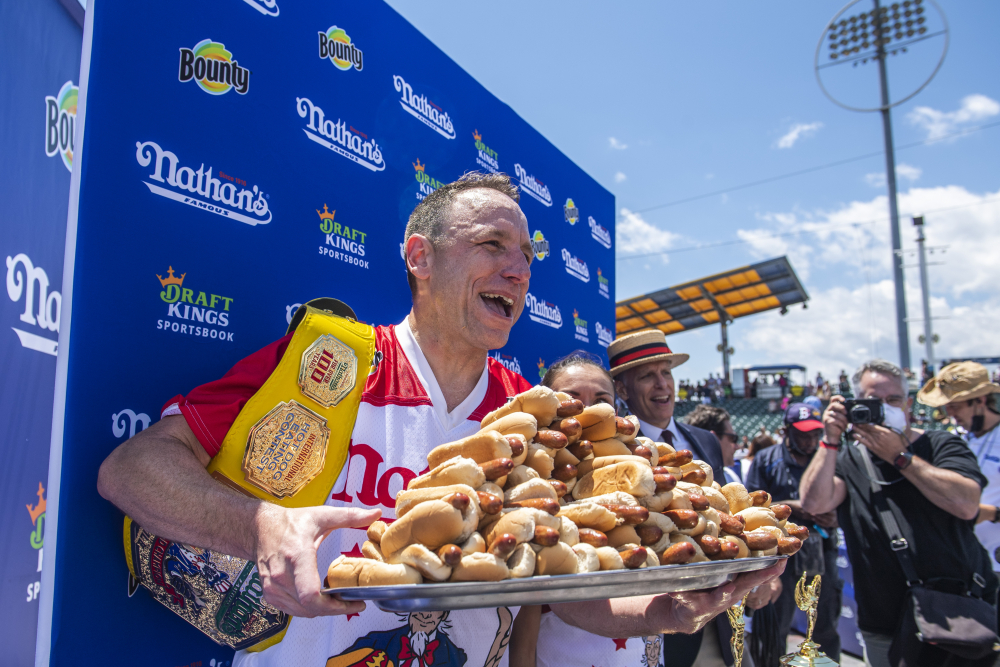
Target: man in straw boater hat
[642, 365]
[965, 392]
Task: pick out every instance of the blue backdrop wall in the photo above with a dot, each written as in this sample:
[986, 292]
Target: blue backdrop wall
[236, 159]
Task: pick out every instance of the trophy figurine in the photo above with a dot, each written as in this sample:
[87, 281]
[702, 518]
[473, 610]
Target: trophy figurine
[807, 599]
[736, 620]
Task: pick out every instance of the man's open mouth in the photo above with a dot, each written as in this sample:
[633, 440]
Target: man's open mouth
[499, 304]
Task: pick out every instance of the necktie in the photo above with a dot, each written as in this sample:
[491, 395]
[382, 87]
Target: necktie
[667, 437]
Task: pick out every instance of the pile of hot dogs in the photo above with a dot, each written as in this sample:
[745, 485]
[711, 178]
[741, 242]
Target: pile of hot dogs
[549, 487]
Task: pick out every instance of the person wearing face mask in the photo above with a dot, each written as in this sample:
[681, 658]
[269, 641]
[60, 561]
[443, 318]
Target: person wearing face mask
[930, 479]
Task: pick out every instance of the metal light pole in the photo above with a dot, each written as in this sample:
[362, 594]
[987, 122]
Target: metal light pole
[925, 294]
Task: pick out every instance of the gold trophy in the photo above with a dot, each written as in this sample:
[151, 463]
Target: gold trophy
[807, 599]
[736, 620]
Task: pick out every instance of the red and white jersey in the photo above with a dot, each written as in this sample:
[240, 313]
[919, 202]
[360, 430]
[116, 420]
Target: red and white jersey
[562, 644]
[403, 415]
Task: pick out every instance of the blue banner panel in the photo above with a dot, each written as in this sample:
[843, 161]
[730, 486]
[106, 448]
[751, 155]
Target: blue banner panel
[39, 68]
[239, 159]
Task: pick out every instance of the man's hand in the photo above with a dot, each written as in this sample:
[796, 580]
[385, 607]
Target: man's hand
[834, 420]
[693, 609]
[287, 540]
[765, 594]
[880, 441]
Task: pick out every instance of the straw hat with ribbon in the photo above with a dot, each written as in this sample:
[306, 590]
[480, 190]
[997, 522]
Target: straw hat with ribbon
[641, 348]
[960, 381]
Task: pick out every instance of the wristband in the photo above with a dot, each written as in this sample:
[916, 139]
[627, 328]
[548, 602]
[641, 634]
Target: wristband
[826, 445]
[996, 515]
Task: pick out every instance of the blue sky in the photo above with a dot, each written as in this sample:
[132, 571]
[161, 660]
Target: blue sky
[664, 101]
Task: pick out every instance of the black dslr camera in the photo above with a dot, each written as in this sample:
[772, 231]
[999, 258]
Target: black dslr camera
[864, 411]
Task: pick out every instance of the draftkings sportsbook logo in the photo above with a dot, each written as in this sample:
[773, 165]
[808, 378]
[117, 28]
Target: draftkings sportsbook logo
[189, 313]
[542, 370]
[336, 45]
[60, 123]
[581, 333]
[603, 285]
[575, 266]
[428, 183]
[200, 189]
[507, 361]
[532, 186]
[423, 109]
[486, 157]
[600, 234]
[339, 137]
[543, 312]
[539, 245]
[571, 212]
[604, 336]
[37, 537]
[213, 68]
[342, 243]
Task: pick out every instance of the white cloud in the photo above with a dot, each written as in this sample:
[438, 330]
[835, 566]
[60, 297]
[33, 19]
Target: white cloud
[617, 145]
[940, 123]
[798, 131]
[635, 235]
[903, 172]
[619, 177]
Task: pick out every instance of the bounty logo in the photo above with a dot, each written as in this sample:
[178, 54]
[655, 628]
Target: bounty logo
[507, 361]
[543, 312]
[581, 332]
[187, 311]
[336, 45]
[423, 109]
[487, 157]
[576, 267]
[265, 7]
[428, 184]
[539, 245]
[60, 123]
[603, 285]
[571, 212]
[213, 69]
[604, 336]
[186, 180]
[343, 139]
[342, 242]
[600, 234]
[533, 186]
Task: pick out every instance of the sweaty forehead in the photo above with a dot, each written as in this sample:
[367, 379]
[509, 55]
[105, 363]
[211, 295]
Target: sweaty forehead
[479, 208]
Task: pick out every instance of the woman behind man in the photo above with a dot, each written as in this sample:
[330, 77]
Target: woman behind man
[539, 637]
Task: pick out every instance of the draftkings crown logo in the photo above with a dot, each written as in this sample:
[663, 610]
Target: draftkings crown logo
[336, 45]
[213, 68]
[342, 242]
[188, 311]
[486, 157]
[428, 183]
[603, 285]
[581, 333]
[542, 370]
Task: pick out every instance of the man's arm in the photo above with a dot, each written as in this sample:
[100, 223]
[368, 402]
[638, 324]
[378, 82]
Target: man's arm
[158, 478]
[821, 491]
[685, 612]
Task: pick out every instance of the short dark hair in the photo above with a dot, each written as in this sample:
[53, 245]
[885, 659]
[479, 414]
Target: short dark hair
[709, 418]
[761, 441]
[428, 216]
[576, 358]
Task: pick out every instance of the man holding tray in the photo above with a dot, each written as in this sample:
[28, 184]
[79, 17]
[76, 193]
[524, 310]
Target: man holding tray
[468, 259]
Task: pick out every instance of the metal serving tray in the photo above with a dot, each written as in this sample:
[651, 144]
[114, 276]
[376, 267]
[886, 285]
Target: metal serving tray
[553, 589]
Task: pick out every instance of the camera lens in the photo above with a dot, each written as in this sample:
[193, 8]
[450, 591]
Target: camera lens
[860, 414]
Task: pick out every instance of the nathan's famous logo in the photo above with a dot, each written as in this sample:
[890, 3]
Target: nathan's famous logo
[507, 361]
[231, 192]
[60, 123]
[604, 336]
[580, 325]
[543, 312]
[185, 309]
[571, 212]
[341, 138]
[542, 370]
[428, 183]
[336, 45]
[342, 242]
[533, 186]
[539, 245]
[213, 68]
[36, 537]
[265, 7]
[42, 308]
[487, 158]
[423, 109]
[575, 266]
[600, 234]
[603, 286]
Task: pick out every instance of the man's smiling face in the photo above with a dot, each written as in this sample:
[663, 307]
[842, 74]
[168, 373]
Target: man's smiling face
[649, 391]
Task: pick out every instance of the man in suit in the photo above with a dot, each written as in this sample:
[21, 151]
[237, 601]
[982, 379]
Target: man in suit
[642, 364]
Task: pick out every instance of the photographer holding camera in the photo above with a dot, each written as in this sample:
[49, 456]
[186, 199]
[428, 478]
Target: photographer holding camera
[907, 502]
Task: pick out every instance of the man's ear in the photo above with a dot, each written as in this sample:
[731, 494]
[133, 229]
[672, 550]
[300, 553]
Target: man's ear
[620, 390]
[419, 254]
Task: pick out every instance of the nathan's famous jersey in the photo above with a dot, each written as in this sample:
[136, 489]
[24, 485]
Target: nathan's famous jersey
[401, 418]
[562, 644]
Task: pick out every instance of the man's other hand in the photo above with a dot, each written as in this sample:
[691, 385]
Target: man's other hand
[834, 420]
[880, 441]
[287, 540]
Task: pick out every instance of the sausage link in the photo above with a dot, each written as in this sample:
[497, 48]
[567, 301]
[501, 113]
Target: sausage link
[457, 500]
[593, 537]
[694, 477]
[497, 468]
[624, 426]
[699, 503]
[727, 551]
[683, 519]
[788, 545]
[450, 554]
[503, 545]
[759, 540]
[710, 545]
[661, 470]
[649, 534]
[545, 536]
[553, 439]
[760, 498]
[794, 530]
[781, 512]
[643, 451]
[681, 458]
[516, 444]
[564, 473]
[570, 408]
[664, 482]
[730, 524]
[489, 503]
[560, 488]
[543, 504]
[581, 449]
[633, 515]
[633, 558]
[677, 554]
[570, 426]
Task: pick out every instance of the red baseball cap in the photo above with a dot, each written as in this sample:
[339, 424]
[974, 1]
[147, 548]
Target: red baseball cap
[803, 417]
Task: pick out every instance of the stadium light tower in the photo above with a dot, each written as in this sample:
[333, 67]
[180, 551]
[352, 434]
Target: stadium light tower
[872, 36]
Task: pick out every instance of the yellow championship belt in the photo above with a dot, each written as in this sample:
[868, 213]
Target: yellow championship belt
[287, 446]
